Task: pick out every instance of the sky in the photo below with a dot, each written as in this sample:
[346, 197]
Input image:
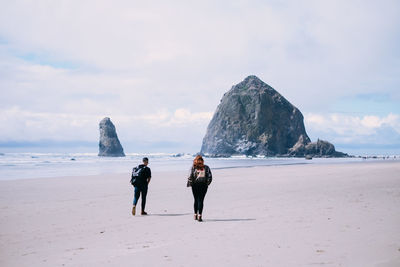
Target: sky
[158, 69]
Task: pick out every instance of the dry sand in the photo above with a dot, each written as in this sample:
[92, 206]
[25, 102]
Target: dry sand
[302, 215]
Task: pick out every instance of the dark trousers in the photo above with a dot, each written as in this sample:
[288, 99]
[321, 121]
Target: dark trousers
[138, 190]
[199, 192]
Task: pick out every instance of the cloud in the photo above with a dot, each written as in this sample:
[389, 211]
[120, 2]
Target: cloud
[178, 118]
[291, 45]
[23, 125]
[348, 129]
[168, 64]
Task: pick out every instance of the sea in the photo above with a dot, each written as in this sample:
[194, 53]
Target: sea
[15, 166]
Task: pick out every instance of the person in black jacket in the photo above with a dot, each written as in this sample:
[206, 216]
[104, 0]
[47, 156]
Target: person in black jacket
[199, 179]
[141, 186]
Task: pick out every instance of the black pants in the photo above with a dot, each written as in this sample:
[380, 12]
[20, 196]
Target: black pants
[138, 190]
[199, 192]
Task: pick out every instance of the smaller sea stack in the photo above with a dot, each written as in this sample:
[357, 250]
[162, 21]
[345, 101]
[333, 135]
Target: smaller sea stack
[109, 145]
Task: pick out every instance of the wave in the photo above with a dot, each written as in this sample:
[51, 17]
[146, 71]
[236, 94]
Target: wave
[35, 165]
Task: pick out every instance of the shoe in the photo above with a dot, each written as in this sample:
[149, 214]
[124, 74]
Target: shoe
[133, 210]
[199, 218]
[144, 213]
[195, 217]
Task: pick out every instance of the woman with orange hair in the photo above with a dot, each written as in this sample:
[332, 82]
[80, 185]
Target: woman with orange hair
[199, 179]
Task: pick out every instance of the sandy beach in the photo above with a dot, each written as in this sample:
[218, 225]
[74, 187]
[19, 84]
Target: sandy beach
[298, 215]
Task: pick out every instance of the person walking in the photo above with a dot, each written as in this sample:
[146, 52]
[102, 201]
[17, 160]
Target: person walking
[199, 179]
[142, 176]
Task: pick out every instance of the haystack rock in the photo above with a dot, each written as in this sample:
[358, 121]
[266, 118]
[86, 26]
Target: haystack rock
[254, 119]
[109, 145]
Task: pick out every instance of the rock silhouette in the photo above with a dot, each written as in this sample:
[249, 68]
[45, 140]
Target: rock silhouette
[109, 145]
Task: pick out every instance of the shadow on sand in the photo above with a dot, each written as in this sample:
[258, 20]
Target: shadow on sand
[170, 214]
[228, 220]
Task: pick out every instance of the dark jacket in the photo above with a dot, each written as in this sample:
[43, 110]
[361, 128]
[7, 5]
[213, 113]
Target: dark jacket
[145, 174]
[193, 179]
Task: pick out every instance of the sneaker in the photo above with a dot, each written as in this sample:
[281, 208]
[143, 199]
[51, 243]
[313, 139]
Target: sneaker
[195, 217]
[199, 218]
[133, 210]
[144, 213]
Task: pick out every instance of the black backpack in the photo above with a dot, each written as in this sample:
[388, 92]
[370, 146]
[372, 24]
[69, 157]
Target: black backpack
[137, 173]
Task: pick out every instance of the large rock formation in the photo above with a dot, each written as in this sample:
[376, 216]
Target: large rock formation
[254, 119]
[109, 145]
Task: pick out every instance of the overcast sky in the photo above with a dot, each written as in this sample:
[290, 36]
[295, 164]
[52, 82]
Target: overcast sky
[158, 69]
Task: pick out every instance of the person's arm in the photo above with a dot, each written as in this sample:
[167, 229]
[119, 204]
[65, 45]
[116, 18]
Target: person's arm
[208, 175]
[149, 176]
[191, 177]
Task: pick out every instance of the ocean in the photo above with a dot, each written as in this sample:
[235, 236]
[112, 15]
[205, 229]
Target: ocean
[39, 165]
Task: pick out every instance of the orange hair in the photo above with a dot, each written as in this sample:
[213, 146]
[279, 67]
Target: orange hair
[198, 162]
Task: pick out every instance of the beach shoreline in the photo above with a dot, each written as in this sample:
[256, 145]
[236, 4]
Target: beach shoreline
[29, 165]
[282, 215]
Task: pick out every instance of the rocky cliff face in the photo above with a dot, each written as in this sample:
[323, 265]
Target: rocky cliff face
[109, 145]
[254, 119]
[320, 148]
